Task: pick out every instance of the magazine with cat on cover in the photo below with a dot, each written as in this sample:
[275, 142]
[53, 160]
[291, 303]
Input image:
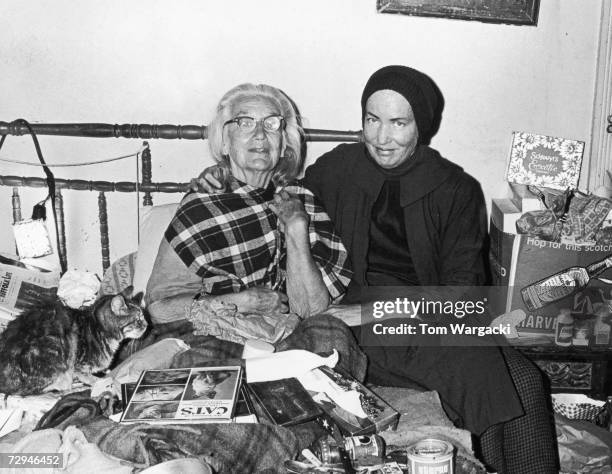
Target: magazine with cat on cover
[190, 395]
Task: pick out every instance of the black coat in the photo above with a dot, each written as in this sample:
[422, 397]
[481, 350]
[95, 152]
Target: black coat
[444, 212]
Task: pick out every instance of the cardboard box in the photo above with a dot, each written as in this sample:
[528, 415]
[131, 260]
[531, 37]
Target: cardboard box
[544, 161]
[504, 214]
[524, 199]
[518, 261]
[380, 415]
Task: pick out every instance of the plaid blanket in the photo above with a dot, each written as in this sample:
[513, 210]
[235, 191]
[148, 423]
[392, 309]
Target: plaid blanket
[228, 448]
[233, 241]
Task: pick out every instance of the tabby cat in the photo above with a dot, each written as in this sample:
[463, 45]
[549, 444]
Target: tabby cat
[44, 347]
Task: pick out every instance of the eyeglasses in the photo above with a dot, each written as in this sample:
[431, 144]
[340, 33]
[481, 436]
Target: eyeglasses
[246, 124]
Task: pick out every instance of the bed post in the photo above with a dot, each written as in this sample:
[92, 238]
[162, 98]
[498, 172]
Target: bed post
[61, 228]
[16, 205]
[147, 199]
[103, 216]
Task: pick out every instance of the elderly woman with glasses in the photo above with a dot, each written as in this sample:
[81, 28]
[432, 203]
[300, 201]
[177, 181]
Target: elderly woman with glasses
[262, 246]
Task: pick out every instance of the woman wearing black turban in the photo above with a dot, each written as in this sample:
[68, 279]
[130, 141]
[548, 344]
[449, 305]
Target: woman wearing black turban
[410, 217]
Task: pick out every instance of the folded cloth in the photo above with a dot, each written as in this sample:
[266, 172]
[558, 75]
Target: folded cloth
[205, 349]
[320, 334]
[212, 316]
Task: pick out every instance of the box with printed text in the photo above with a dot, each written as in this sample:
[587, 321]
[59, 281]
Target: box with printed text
[518, 261]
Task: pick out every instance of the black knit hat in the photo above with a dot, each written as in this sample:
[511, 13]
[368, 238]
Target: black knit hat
[418, 89]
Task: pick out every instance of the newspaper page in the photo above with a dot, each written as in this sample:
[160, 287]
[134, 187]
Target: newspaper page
[22, 286]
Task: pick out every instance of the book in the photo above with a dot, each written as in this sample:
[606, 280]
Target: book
[190, 395]
[379, 414]
[283, 402]
[545, 161]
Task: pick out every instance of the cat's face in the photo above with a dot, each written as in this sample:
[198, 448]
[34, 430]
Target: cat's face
[123, 314]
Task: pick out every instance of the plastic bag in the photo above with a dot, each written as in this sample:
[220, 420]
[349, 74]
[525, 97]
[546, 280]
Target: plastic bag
[583, 446]
[569, 217]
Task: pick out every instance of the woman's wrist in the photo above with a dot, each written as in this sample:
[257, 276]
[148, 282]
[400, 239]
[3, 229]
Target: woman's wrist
[297, 230]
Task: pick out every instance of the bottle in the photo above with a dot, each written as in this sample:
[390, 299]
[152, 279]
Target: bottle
[564, 328]
[562, 284]
[601, 331]
[583, 330]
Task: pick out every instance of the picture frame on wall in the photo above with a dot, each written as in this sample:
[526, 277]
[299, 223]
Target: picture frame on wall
[514, 12]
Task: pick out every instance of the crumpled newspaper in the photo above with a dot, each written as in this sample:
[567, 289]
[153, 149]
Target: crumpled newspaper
[78, 288]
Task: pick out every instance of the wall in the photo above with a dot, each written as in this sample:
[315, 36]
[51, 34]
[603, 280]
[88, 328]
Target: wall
[148, 61]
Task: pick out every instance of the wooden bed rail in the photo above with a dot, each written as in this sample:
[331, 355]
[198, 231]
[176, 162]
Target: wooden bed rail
[147, 131]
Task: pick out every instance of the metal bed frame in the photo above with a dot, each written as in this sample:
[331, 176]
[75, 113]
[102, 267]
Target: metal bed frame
[146, 185]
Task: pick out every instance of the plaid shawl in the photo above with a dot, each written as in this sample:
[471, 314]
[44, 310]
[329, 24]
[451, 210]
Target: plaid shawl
[233, 241]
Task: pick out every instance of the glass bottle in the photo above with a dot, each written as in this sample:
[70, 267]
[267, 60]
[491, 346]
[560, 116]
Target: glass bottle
[562, 284]
[601, 331]
[564, 328]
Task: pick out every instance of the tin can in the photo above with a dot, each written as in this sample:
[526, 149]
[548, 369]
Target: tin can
[327, 451]
[360, 447]
[431, 456]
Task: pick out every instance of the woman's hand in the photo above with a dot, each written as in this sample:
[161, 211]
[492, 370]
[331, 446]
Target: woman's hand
[210, 181]
[290, 210]
[260, 300]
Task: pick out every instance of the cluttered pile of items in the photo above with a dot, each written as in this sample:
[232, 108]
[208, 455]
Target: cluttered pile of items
[551, 250]
[551, 245]
[263, 390]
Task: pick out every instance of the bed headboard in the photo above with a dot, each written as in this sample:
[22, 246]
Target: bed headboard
[146, 185]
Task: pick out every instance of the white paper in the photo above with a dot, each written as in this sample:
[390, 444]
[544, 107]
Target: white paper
[10, 420]
[350, 400]
[286, 364]
[78, 288]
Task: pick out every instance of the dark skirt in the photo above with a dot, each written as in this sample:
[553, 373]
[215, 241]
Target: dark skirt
[473, 383]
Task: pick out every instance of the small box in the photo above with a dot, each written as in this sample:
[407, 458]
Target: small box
[380, 415]
[542, 160]
[283, 402]
[504, 214]
[525, 200]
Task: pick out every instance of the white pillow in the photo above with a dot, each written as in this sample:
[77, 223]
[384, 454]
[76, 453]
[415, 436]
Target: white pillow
[154, 221]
